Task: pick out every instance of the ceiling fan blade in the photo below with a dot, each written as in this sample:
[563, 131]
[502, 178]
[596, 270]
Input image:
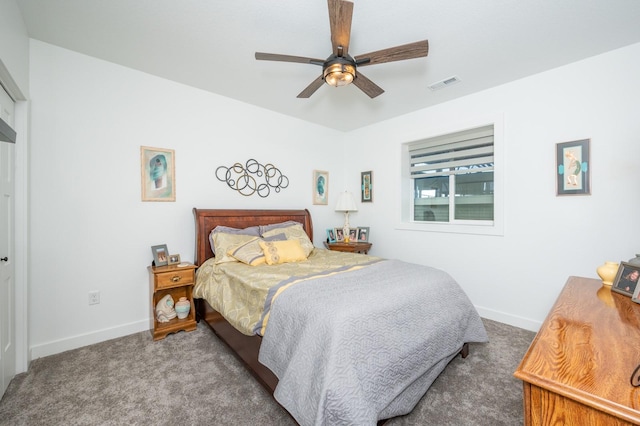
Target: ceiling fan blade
[367, 86]
[340, 13]
[287, 58]
[311, 89]
[417, 49]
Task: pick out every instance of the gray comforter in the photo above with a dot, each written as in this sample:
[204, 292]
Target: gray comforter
[361, 346]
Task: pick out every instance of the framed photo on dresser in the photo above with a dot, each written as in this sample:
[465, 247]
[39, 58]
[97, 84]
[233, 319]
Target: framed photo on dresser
[626, 281]
[636, 296]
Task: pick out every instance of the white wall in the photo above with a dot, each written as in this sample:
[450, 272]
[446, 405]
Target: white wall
[515, 278]
[89, 228]
[14, 44]
[90, 231]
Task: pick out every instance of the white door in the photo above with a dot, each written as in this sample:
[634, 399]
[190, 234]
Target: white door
[7, 250]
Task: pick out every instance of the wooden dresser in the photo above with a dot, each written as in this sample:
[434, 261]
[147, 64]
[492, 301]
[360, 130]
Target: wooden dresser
[578, 368]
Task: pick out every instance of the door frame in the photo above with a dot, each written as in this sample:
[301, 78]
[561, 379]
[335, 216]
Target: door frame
[21, 232]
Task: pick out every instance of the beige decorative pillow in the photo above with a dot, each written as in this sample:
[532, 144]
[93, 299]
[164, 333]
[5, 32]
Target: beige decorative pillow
[294, 232]
[250, 252]
[276, 252]
[223, 242]
[252, 230]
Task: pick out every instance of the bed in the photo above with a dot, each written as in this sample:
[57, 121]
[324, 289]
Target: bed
[341, 319]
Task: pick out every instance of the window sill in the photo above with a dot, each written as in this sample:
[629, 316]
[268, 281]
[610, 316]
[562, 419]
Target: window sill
[453, 228]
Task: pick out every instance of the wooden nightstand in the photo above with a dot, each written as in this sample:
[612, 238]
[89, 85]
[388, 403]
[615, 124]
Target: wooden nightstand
[349, 247]
[178, 282]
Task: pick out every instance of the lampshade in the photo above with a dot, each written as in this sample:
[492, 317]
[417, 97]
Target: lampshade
[346, 203]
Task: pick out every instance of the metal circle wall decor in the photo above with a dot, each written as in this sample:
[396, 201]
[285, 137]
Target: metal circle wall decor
[253, 178]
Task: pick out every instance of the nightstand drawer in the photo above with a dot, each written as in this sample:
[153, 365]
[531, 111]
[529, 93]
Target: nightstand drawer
[174, 278]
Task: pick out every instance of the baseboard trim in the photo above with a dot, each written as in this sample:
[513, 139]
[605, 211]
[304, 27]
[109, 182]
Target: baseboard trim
[74, 342]
[514, 320]
[58, 346]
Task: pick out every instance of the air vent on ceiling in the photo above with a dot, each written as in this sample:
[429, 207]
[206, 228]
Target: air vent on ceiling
[444, 83]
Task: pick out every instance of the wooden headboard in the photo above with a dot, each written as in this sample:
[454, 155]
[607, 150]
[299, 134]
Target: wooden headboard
[207, 219]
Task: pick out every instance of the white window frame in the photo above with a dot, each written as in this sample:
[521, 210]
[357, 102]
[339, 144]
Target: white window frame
[406, 200]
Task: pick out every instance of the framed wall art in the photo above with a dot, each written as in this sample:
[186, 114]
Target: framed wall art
[366, 185]
[626, 280]
[320, 187]
[160, 255]
[573, 175]
[157, 168]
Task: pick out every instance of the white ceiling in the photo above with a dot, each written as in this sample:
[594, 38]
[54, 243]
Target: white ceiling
[210, 44]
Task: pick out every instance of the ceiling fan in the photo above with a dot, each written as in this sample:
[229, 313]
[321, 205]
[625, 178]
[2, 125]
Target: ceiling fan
[340, 69]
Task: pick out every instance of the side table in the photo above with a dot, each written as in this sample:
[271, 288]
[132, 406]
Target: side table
[178, 282]
[357, 247]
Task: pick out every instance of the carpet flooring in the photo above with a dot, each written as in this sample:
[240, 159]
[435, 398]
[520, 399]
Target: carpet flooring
[193, 378]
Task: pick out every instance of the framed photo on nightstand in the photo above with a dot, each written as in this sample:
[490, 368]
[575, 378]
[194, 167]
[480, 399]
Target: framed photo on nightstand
[160, 255]
[363, 234]
[174, 259]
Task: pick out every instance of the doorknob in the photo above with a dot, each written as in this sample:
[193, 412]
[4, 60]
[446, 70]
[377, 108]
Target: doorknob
[4, 259]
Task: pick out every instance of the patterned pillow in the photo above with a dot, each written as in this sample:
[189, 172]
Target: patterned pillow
[250, 252]
[252, 230]
[294, 232]
[276, 252]
[223, 242]
[267, 228]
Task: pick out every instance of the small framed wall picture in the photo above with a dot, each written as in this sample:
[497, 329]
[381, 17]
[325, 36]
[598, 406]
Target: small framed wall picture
[573, 174]
[158, 174]
[331, 235]
[320, 187]
[363, 234]
[626, 281]
[366, 185]
[174, 259]
[160, 255]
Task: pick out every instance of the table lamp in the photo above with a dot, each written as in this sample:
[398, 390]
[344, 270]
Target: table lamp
[346, 204]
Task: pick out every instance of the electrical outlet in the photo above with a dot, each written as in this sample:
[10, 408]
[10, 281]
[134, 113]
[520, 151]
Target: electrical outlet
[94, 297]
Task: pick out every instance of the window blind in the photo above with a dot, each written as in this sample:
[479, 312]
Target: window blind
[468, 151]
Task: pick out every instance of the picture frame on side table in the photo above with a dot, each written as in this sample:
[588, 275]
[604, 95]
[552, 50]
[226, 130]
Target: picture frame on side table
[573, 174]
[160, 255]
[320, 187]
[363, 234]
[366, 186]
[353, 235]
[331, 235]
[626, 281]
[157, 169]
[339, 235]
[174, 259]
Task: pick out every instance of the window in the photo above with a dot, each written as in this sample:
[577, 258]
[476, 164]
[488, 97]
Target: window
[452, 177]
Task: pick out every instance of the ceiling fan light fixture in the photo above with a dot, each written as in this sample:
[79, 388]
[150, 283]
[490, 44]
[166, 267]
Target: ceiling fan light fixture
[337, 75]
